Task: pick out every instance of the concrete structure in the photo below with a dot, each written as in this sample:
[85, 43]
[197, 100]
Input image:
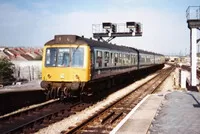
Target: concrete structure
[193, 20]
[139, 119]
[193, 51]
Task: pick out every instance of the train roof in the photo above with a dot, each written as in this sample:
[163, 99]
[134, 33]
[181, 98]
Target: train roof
[74, 39]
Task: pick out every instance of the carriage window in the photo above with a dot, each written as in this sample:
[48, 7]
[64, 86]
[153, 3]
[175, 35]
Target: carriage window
[148, 59]
[116, 58]
[123, 59]
[106, 58]
[129, 59]
[132, 60]
[120, 59]
[142, 59]
[98, 59]
[77, 57]
[112, 58]
[51, 57]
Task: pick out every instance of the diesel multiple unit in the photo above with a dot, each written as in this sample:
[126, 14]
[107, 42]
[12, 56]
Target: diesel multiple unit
[76, 64]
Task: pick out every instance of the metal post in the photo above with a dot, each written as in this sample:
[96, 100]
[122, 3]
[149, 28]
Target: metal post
[193, 56]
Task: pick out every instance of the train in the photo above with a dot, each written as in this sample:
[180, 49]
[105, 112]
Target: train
[74, 65]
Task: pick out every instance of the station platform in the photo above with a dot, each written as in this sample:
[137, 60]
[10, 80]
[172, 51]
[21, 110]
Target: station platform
[30, 86]
[174, 112]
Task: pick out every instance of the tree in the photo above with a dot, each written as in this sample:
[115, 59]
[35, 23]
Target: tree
[6, 71]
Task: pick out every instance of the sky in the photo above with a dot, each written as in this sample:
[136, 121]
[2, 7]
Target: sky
[31, 23]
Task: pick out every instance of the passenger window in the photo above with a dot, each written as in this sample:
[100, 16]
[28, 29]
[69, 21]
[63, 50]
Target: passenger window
[120, 59]
[116, 58]
[98, 59]
[123, 59]
[112, 58]
[106, 58]
[132, 60]
[129, 60]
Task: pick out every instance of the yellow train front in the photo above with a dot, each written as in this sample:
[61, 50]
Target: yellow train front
[65, 65]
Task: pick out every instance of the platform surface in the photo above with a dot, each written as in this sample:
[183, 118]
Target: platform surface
[139, 119]
[177, 112]
[180, 114]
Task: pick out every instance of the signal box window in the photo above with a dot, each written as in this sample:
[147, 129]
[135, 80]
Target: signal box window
[106, 58]
[98, 59]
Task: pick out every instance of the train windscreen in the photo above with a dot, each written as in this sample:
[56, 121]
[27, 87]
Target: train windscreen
[64, 57]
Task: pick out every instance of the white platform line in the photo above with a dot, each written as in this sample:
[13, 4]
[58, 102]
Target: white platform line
[128, 115]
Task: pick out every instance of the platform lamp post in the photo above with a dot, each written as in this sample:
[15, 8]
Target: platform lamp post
[193, 20]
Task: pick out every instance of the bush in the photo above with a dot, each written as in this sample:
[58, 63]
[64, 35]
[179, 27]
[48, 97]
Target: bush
[6, 72]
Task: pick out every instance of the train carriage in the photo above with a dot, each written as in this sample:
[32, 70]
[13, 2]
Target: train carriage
[71, 63]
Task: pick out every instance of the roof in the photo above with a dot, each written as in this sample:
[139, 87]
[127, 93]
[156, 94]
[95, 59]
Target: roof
[74, 39]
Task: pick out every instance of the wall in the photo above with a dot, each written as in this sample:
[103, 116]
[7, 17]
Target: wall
[30, 70]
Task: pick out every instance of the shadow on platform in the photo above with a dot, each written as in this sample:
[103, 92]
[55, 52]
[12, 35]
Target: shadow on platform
[195, 105]
[191, 88]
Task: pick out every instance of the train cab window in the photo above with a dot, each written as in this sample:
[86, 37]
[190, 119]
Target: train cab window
[50, 60]
[106, 58]
[63, 57]
[98, 59]
[116, 59]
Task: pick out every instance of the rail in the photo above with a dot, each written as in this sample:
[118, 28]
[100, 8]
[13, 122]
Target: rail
[106, 119]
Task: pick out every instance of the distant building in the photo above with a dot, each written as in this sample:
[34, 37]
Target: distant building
[21, 54]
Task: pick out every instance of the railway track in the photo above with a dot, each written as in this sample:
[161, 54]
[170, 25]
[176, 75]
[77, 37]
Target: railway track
[106, 119]
[14, 99]
[33, 119]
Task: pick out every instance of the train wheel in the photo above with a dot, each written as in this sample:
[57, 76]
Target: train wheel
[65, 91]
[58, 93]
[51, 93]
[55, 93]
[48, 95]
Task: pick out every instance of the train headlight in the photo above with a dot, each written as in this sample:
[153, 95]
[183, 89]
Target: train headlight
[62, 76]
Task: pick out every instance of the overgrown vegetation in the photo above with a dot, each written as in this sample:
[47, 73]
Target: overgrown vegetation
[6, 72]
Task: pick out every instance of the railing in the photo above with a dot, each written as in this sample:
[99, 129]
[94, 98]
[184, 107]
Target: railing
[193, 13]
